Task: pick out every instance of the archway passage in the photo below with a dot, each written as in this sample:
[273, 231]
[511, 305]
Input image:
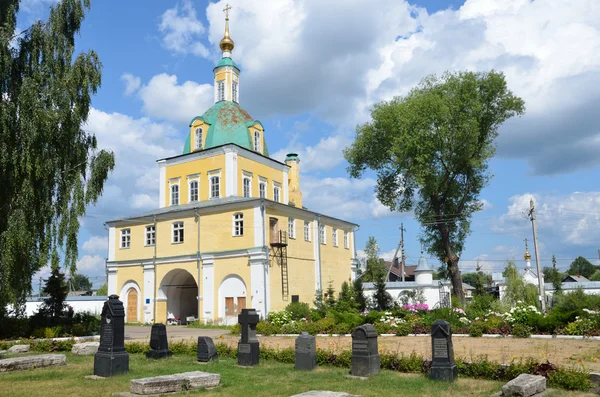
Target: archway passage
[132, 305]
[180, 290]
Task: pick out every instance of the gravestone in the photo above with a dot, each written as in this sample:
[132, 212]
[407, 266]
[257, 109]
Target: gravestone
[306, 352]
[365, 354]
[159, 346]
[111, 358]
[206, 350]
[442, 365]
[248, 349]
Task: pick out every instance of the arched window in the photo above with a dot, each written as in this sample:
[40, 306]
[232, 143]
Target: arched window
[198, 139]
[257, 141]
[174, 194]
[238, 224]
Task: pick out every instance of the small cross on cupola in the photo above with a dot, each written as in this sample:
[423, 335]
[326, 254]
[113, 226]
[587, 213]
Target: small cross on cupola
[226, 72]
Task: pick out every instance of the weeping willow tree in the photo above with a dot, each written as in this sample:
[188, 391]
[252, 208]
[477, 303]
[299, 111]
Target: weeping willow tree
[50, 167]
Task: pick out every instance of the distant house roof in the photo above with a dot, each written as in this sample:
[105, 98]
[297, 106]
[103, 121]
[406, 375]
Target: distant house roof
[575, 279]
[409, 270]
[467, 287]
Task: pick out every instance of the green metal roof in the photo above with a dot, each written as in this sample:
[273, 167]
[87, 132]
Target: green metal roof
[228, 123]
[227, 62]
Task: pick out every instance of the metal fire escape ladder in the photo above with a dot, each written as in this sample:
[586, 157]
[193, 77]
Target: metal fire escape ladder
[279, 245]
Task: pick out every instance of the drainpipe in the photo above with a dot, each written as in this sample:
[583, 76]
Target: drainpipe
[319, 245]
[105, 259]
[198, 264]
[266, 250]
[354, 230]
[154, 268]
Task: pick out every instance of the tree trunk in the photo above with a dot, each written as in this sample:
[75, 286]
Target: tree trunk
[457, 288]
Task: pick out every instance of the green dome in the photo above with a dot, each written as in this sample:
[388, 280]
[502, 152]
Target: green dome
[228, 123]
[226, 61]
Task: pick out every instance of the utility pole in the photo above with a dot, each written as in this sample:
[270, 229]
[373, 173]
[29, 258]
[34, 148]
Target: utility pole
[402, 244]
[40, 288]
[537, 256]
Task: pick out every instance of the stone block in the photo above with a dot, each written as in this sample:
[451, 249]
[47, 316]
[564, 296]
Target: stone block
[17, 349]
[174, 383]
[324, 393]
[23, 363]
[85, 349]
[524, 385]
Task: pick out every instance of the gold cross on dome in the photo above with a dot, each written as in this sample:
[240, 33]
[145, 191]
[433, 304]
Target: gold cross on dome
[526, 244]
[226, 10]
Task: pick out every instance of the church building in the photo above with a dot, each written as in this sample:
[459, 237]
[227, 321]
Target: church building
[230, 231]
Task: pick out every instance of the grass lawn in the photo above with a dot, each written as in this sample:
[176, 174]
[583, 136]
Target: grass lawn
[269, 379]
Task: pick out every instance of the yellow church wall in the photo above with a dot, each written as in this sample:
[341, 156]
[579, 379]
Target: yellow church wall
[192, 167]
[258, 170]
[137, 248]
[216, 231]
[231, 266]
[335, 261]
[130, 273]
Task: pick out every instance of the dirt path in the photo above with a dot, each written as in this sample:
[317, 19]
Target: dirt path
[564, 352]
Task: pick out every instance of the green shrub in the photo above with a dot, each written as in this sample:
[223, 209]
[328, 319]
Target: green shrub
[353, 320]
[574, 379]
[315, 315]
[326, 325]
[382, 328]
[235, 329]
[136, 347]
[373, 317]
[404, 329]
[224, 350]
[298, 310]
[280, 318]
[267, 328]
[521, 331]
[476, 329]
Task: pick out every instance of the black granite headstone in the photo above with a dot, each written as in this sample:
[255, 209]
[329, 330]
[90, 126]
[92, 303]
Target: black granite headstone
[159, 345]
[442, 366]
[206, 350]
[111, 358]
[248, 348]
[306, 352]
[365, 359]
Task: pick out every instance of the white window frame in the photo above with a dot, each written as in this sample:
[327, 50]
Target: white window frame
[234, 91]
[256, 140]
[346, 239]
[195, 180]
[277, 192]
[125, 238]
[322, 234]
[262, 183]
[335, 237]
[220, 90]
[210, 184]
[245, 178]
[198, 138]
[176, 237]
[306, 230]
[291, 228]
[173, 185]
[237, 224]
[150, 234]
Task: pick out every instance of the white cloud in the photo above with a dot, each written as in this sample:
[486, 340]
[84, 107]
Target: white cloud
[486, 204]
[325, 155]
[95, 244]
[132, 83]
[164, 99]
[91, 265]
[33, 6]
[182, 30]
[144, 201]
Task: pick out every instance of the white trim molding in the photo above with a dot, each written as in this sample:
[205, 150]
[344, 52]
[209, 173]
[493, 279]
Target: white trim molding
[112, 280]
[208, 288]
[111, 243]
[149, 291]
[125, 296]
[285, 186]
[316, 244]
[231, 171]
[162, 184]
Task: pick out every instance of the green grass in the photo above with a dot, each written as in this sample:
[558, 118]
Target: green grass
[268, 379]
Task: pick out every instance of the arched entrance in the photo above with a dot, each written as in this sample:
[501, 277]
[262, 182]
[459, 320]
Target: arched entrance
[130, 296]
[232, 298]
[180, 290]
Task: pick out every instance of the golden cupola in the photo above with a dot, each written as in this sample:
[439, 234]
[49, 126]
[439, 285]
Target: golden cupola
[226, 44]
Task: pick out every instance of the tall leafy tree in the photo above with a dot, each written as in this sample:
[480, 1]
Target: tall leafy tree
[50, 167]
[583, 267]
[374, 265]
[80, 282]
[552, 275]
[431, 149]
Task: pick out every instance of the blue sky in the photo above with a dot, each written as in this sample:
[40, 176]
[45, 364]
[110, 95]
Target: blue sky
[311, 70]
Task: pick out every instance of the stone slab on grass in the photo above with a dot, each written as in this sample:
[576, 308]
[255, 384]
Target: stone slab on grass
[18, 349]
[525, 385]
[174, 383]
[85, 349]
[23, 363]
[324, 393]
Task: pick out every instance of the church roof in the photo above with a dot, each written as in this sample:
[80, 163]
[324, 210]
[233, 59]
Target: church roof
[226, 61]
[228, 123]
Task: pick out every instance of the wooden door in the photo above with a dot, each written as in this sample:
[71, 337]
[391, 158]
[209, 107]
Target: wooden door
[241, 303]
[229, 311]
[132, 304]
